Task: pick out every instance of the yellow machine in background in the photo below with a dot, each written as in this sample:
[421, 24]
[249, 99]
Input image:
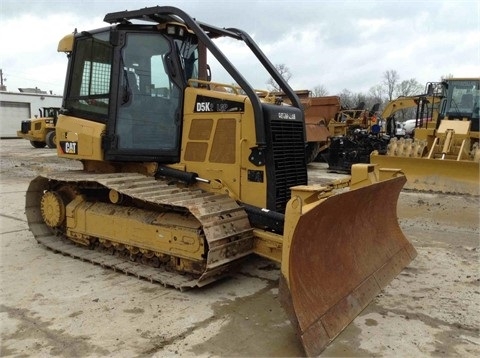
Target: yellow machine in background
[355, 134]
[179, 177]
[444, 158]
[426, 114]
[40, 131]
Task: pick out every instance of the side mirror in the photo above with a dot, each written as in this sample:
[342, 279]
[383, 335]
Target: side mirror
[209, 73]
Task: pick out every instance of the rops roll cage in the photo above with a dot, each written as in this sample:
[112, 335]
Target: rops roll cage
[205, 33]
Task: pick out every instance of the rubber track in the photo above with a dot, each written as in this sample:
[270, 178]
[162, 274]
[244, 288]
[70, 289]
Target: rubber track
[225, 225]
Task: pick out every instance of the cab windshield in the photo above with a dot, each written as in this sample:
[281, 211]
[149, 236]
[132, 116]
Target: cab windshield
[463, 99]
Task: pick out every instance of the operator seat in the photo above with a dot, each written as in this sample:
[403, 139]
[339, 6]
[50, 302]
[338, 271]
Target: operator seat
[132, 83]
[467, 101]
[476, 115]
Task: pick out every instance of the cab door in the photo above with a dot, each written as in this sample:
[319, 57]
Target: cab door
[145, 125]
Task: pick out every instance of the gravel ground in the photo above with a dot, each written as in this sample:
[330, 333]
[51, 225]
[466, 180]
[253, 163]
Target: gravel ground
[51, 305]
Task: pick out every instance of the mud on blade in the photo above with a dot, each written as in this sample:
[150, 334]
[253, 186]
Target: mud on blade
[342, 253]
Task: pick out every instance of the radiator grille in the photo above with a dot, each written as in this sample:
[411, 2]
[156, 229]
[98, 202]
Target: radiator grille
[288, 155]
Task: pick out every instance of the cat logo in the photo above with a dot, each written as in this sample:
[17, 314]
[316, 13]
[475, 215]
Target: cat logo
[69, 147]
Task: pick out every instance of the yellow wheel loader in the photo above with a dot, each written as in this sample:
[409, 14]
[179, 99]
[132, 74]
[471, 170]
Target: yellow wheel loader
[444, 157]
[40, 131]
[181, 181]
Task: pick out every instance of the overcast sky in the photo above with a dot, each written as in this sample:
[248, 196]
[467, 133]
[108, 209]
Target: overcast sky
[336, 44]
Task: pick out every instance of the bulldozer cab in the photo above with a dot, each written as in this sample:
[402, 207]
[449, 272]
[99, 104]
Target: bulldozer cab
[132, 77]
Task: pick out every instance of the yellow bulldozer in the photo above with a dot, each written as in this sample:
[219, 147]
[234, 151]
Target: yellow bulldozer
[40, 131]
[181, 181]
[443, 156]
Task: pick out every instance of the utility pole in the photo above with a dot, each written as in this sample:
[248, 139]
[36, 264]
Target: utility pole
[2, 87]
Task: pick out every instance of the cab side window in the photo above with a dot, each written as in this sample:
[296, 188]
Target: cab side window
[89, 91]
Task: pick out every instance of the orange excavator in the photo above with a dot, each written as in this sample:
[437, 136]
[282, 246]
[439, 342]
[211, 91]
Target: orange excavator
[182, 181]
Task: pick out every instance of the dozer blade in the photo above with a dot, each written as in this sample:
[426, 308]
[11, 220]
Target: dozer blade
[445, 176]
[338, 257]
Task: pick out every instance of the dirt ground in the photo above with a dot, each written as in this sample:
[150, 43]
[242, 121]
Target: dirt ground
[52, 305]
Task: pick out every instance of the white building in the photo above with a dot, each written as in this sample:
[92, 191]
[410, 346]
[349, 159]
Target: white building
[18, 106]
